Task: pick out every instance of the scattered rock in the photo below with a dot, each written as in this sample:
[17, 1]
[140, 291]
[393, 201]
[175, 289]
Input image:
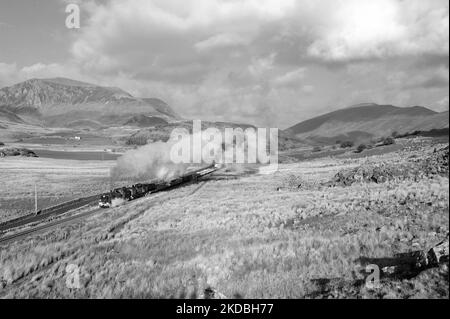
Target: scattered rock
[390, 270]
[211, 293]
[435, 164]
[438, 253]
[410, 264]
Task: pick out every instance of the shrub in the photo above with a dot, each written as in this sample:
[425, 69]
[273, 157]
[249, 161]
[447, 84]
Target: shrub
[347, 144]
[2, 144]
[317, 149]
[388, 141]
[394, 134]
[136, 140]
[361, 148]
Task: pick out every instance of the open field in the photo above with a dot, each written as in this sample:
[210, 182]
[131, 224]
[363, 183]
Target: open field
[286, 235]
[57, 181]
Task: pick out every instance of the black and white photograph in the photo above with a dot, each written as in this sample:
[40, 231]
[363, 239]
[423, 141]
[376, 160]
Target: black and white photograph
[224, 154]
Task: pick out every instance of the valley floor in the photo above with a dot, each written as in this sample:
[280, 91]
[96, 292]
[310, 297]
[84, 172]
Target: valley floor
[287, 235]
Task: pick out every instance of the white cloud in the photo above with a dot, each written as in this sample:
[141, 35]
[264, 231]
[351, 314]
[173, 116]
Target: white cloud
[308, 88]
[220, 41]
[361, 29]
[161, 33]
[150, 38]
[11, 73]
[442, 105]
[260, 61]
[291, 77]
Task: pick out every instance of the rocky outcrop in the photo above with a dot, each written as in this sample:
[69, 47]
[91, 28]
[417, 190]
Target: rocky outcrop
[37, 94]
[434, 164]
[405, 264]
[438, 253]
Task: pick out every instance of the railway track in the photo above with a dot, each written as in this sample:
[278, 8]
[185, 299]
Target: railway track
[48, 226]
[63, 208]
[49, 212]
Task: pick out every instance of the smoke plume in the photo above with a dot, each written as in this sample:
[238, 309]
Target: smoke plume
[156, 160]
[148, 162]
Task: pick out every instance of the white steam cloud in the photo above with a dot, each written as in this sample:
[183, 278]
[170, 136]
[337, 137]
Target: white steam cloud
[165, 161]
[148, 162]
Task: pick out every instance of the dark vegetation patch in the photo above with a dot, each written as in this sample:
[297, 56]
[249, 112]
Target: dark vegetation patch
[374, 151]
[347, 144]
[13, 151]
[79, 156]
[430, 133]
[145, 121]
[353, 136]
[361, 148]
[388, 141]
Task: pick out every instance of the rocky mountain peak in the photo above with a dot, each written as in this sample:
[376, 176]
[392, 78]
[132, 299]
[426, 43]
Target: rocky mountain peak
[36, 93]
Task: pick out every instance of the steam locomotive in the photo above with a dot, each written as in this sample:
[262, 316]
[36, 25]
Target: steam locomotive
[129, 193]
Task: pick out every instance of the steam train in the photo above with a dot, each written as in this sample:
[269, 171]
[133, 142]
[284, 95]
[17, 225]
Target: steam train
[129, 193]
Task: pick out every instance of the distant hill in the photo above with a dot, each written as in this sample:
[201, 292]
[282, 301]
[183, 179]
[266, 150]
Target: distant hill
[366, 121]
[145, 121]
[162, 133]
[60, 101]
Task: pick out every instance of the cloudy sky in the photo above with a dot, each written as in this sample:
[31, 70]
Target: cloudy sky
[265, 62]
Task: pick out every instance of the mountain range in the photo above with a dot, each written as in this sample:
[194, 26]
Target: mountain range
[366, 121]
[61, 102]
[64, 103]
